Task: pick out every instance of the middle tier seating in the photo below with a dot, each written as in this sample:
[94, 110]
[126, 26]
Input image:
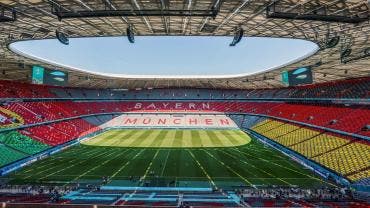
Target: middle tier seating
[344, 118]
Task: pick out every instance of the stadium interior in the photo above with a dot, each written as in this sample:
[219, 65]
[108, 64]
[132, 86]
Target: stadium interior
[294, 136]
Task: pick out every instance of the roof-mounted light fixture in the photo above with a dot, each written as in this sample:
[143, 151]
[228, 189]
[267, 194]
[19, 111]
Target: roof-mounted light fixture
[237, 37]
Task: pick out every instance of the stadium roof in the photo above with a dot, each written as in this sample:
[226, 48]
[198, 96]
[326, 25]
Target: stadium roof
[315, 20]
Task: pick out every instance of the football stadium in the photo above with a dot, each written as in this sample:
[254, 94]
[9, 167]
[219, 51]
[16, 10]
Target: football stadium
[192, 103]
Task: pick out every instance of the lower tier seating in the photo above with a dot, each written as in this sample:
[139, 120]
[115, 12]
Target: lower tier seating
[347, 156]
[15, 145]
[8, 155]
[347, 159]
[60, 132]
[21, 142]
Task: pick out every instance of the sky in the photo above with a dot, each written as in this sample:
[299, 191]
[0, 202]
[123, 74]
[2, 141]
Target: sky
[169, 55]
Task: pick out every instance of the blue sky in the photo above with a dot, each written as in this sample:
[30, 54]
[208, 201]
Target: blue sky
[169, 55]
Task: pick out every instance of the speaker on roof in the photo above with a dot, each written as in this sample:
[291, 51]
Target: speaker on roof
[21, 65]
[345, 53]
[317, 64]
[130, 34]
[367, 51]
[237, 37]
[332, 42]
[62, 37]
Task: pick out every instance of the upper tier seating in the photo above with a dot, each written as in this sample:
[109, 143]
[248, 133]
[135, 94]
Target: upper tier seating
[353, 88]
[11, 89]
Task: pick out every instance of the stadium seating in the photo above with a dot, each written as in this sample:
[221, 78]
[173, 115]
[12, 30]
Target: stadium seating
[9, 155]
[98, 120]
[347, 156]
[332, 150]
[21, 142]
[344, 118]
[353, 88]
[60, 132]
[347, 159]
[15, 145]
[23, 90]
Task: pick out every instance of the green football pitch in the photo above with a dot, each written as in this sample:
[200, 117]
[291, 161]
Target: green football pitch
[197, 158]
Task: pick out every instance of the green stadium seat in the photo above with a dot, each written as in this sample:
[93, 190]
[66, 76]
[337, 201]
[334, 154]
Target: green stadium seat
[22, 143]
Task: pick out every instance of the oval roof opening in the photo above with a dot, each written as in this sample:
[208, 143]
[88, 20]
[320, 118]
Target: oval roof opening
[168, 56]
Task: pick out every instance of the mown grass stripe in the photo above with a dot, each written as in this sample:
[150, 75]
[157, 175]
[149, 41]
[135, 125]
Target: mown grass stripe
[108, 139]
[126, 141]
[157, 142]
[138, 142]
[168, 139]
[195, 138]
[150, 139]
[234, 139]
[173, 139]
[186, 139]
[216, 141]
[205, 139]
[178, 138]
